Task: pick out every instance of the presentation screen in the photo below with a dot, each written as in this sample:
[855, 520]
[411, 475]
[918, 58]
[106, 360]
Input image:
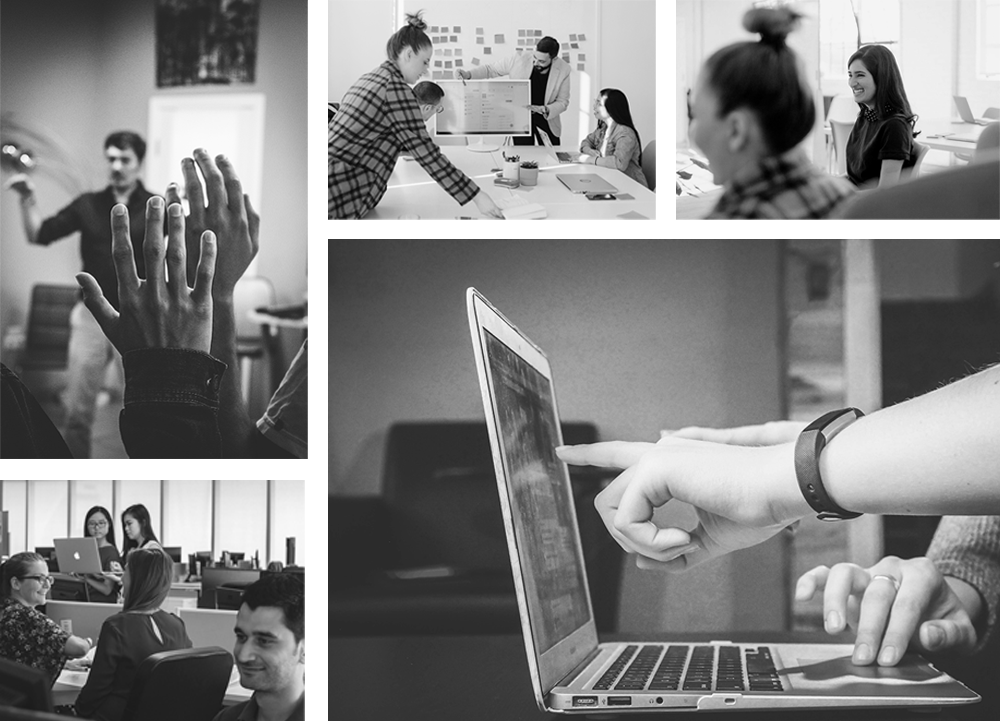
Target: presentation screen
[485, 107]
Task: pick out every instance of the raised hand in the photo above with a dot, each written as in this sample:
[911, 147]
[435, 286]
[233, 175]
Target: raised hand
[160, 311]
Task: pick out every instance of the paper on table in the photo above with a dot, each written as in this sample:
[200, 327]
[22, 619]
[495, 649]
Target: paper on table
[632, 215]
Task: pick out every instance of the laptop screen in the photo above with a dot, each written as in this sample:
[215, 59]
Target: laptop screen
[540, 498]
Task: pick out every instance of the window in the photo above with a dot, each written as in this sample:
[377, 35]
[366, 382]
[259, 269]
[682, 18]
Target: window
[846, 25]
[988, 39]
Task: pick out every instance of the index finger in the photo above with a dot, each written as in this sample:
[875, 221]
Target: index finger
[121, 252]
[214, 183]
[153, 248]
[234, 189]
[195, 194]
[607, 454]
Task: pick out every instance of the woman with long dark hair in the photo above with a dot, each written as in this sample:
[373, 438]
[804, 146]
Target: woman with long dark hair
[130, 637]
[751, 109]
[378, 119]
[615, 143]
[138, 530]
[104, 586]
[881, 142]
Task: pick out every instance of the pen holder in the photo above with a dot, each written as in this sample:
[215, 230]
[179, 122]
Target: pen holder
[511, 168]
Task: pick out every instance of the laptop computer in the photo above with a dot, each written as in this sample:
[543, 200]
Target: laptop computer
[78, 555]
[585, 183]
[560, 155]
[965, 112]
[571, 672]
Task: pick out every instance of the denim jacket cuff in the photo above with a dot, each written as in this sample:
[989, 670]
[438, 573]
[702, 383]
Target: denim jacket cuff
[172, 375]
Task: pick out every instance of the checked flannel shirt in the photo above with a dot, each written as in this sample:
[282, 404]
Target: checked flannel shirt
[379, 118]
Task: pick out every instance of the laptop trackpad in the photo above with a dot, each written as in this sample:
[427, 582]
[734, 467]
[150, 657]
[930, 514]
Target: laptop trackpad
[813, 668]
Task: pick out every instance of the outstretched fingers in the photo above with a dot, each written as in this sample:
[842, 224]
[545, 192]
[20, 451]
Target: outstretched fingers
[201, 294]
[99, 306]
[176, 250]
[121, 253]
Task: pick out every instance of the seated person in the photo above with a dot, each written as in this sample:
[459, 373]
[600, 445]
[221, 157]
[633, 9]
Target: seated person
[103, 586]
[270, 650]
[615, 143]
[128, 638]
[881, 142]
[28, 636]
[429, 97]
[751, 108]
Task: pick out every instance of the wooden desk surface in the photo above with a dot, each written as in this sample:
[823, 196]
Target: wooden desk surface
[412, 193]
[485, 678]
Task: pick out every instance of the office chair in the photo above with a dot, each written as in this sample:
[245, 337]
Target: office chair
[649, 164]
[921, 152]
[250, 294]
[440, 516]
[45, 344]
[186, 684]
[841, 132]
[992, 113]
[971, 192]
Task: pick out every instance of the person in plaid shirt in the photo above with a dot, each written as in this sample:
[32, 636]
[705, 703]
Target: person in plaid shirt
[752, 107]
[379, 118]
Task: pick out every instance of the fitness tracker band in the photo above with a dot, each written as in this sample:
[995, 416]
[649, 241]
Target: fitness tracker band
[809, 445]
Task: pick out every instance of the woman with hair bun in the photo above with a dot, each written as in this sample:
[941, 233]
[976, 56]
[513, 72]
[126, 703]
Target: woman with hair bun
[881, 142]
[752, 107]
[378, 119]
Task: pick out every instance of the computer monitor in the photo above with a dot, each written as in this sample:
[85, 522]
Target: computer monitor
[484, 109]
[24, 687]
[174, 552]
[49, 554]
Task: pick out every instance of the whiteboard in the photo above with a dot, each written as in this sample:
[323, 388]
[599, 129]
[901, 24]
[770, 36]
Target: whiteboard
[468, 34]
[484, 107]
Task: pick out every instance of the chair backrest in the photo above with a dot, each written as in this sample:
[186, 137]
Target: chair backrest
[921, 152]
[988, 145]
[841, 132]
[842, 108]
[992, 113]
[649, 164]
[250, 293]
[47, 343]
[186, 684]
[966, 193]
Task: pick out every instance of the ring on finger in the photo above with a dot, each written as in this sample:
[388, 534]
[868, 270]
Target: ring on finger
[890, 579]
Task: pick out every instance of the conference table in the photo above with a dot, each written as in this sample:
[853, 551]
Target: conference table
[413, 195]
[485, 678]
[937, 134]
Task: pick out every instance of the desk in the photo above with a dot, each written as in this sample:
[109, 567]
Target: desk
[485, 678]
[699, 193]
[412, 193]
[937, 127]
[67, 688]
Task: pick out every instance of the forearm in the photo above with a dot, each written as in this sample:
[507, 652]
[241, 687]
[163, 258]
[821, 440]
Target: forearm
[931, 455]
[76, 646]
[889, 173]
[31, 218]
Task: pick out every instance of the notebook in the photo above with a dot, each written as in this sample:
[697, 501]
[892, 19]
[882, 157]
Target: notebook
[78, 555]
[965, 112]
[571, 672]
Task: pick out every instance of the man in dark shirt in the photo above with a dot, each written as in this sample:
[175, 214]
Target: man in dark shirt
[270, 650]
[90, 214]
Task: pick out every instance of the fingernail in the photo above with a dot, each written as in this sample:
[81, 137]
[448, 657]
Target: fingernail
[862, 653]
[935, 636]
[156, 202]
[888, 656]
[118, 210]
[175, 210]
[833, 622]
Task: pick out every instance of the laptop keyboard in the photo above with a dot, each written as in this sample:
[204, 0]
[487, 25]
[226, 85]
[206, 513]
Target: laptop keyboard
[691, 668]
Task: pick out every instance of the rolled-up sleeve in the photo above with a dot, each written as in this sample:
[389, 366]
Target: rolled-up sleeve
[171, 404]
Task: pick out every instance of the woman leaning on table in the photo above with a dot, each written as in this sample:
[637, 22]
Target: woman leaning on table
[378, 119]
[615, 143]
[28, 636]
[130, 637]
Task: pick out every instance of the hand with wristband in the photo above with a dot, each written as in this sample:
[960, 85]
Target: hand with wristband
[933, 454]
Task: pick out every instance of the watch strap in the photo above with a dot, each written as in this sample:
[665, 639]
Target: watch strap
[808, 447]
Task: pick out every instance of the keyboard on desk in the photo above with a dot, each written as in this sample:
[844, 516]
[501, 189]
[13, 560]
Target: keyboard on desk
[677, 667]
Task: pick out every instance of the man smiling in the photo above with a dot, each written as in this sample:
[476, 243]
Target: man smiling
[270, 650]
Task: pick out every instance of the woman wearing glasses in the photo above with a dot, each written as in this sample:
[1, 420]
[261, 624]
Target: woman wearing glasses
[103, 586]
[28, 636]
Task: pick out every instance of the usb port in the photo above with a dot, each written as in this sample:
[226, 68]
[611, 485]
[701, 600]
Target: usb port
[619, 700]
[585, 700]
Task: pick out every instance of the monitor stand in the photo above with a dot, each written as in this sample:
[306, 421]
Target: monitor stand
[479, 145]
